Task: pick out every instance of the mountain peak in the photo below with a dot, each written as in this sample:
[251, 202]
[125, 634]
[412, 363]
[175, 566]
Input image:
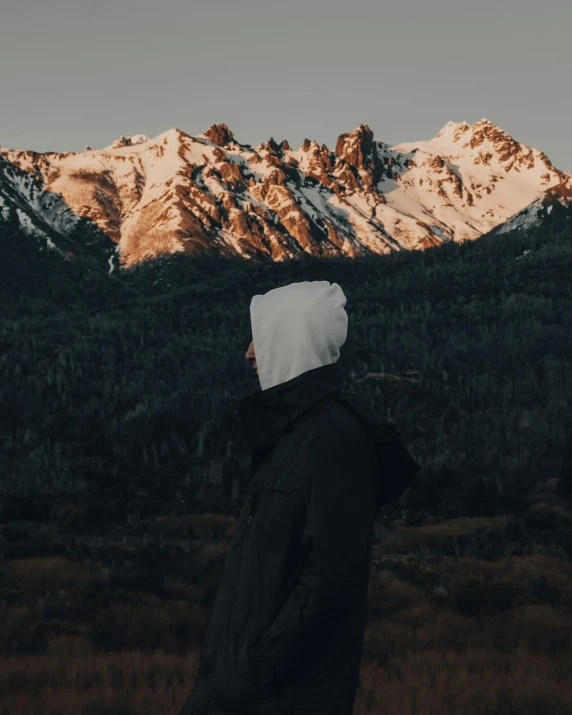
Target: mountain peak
[129, 141]
[361, 133]
[308, 143]
[355, 146]
[179, 193]
[453, 132]
[219, 134]
[453, 128]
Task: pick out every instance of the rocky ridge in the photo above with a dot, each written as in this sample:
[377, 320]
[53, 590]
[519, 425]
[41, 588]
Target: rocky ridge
[211, 194]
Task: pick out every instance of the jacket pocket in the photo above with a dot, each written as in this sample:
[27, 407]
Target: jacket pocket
[245, 645]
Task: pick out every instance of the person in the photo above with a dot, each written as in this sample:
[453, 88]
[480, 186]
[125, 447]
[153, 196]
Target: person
[285, 631]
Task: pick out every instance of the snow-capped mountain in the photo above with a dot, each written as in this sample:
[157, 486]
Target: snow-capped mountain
[212, 194]
[127, 141]
[28, 208]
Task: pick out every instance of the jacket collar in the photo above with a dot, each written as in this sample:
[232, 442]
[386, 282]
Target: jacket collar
[269, 414]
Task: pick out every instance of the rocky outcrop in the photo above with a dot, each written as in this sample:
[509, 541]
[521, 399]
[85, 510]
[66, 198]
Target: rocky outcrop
[178, 193]
[219, 134]
[357, 149]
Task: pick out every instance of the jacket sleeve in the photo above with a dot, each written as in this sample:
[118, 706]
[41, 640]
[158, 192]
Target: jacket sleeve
[337, 537]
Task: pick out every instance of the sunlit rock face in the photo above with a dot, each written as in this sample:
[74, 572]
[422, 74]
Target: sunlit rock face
[212, 194]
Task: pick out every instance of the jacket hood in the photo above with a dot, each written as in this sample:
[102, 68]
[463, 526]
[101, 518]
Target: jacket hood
[297, 328]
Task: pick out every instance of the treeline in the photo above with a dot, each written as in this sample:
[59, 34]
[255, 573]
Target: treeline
[141, 391]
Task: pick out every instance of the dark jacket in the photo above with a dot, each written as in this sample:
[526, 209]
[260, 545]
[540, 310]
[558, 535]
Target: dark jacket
[285, 631]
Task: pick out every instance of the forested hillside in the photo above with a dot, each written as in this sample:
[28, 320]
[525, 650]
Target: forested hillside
[133, 380]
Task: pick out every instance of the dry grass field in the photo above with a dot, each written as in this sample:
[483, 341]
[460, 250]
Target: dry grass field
[466, 617]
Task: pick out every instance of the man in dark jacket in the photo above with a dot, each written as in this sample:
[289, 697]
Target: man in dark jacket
[285, 631]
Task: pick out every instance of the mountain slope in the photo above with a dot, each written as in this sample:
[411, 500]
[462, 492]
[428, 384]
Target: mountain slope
[47, 251]
[212, 195]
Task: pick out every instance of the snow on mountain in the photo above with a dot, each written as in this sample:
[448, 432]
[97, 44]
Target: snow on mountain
[539, 210]
[128, 141]
[44, 216]
[212, 194]
[22, 190]
[482, 175]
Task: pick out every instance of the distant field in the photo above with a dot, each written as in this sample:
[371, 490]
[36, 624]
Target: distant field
[469, 616]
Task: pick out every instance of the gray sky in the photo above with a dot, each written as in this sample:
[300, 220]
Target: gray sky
[77, 72]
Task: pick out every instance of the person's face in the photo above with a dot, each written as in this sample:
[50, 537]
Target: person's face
[251, 356]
